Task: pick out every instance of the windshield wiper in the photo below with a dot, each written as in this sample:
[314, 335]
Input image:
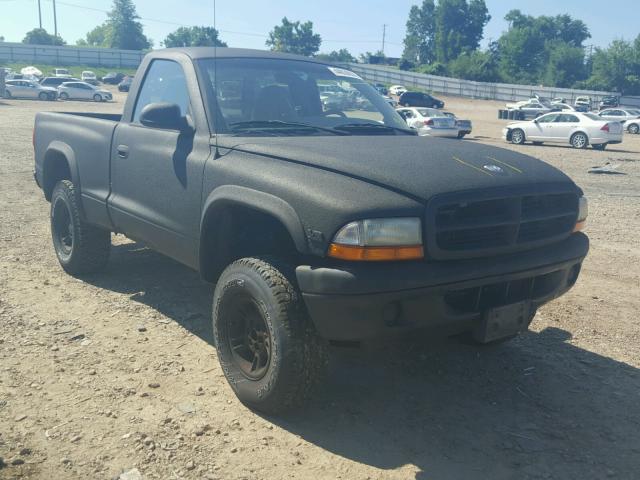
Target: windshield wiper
[275, 125]
[373, 127]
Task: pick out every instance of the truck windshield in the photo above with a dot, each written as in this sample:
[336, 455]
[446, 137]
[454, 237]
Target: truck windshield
[290, 97]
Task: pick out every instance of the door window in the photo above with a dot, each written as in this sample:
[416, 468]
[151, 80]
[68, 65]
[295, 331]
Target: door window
[566, 118]
[164, 82]
[548, 118]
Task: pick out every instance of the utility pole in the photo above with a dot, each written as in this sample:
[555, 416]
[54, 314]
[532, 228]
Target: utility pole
[384, 35]
[40, 14]
[55, 21]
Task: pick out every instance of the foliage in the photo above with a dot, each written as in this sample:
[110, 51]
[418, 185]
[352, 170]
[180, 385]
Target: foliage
[294, 37]
[476, 65]
[39, 36]
[443, 31]
[373, 58]
[343, 55]
[435, 68]
[617, 67]
[194, 37]
[121, 30]
[96, 37]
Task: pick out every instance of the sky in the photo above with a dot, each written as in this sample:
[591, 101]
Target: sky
[353, 24]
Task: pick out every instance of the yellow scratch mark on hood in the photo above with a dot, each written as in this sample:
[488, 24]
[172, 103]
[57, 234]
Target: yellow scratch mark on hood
[472, 166]
[505, 164]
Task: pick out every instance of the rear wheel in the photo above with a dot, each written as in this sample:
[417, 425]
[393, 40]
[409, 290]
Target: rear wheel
[634, 128]
[579, 140]
[64, 96]
[97, 98]
[7, 94]
[43, 96]
[517, 136]
[267, 346]
[600, 146]
[80, 247]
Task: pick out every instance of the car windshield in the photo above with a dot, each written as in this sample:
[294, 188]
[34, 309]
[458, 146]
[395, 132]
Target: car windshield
[291, 97]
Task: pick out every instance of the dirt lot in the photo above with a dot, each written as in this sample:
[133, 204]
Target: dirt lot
[118, 371]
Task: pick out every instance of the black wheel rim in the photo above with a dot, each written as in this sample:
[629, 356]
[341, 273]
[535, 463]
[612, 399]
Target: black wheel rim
[62, 228]
[248, 337]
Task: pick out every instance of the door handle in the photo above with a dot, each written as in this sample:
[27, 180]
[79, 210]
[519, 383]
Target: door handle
[123, 151]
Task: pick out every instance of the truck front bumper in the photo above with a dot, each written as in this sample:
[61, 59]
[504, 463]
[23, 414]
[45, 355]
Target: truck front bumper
[362, 301]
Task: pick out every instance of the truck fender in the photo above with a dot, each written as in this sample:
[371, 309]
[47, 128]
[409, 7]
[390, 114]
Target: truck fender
[260, 201]
[56, 148]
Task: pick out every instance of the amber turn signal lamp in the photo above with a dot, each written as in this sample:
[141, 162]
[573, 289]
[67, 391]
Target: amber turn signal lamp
[580, 226]
[375, 254]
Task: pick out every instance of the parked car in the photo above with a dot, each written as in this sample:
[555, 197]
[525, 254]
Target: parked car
[312, 228]
[397, 90]
[584, 102]
[531, 108]
[381, 88]
[31, 71]
[610, 101]
[28, 89]
[55, 82]
[61, 72]
[125, 84]
[429, 121]
[464, 126]
[564, 107]
[576, 129]
[628, 117]
[89, 77]
[113, 78]
[419, 99]
[83, 91]
[558, 100]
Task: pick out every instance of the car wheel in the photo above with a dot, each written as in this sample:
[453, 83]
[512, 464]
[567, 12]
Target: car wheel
[634, 128]
[63, 96]
[461, 135]
[579, 140]
[600, 146]
[80, 247]
[267, 346]
[517, 136]
[43, 96]
[51, 97]
[97, 98]
[7, 94]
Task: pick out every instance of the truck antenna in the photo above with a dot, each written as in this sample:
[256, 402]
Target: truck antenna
[215, 81]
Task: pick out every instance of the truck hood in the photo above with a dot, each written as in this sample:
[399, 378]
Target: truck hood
[418, 167]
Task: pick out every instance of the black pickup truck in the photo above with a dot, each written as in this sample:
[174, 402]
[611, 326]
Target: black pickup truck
[315, 224]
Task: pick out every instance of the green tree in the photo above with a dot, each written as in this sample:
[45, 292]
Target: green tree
[476, 65]
[342, 55]
[565, 66]
[294, 37]
[418, 43]
[39, 36]
[122, 28]
[373, 58]
[617, 67]
[194, 37]
[96, 37]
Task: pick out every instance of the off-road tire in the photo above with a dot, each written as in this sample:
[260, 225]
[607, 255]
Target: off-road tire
[518, 137]
[579, 140]
[298, 357]
[90, 245]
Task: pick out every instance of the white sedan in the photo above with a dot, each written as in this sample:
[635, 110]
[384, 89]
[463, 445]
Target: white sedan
[397, 90]
[430, 121]
[574, 128]
[628, 117]
[82, 91]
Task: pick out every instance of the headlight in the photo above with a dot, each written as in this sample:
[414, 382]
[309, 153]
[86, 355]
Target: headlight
[583, 212]
[380, 239]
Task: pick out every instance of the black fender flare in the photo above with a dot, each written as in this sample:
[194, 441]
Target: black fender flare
[64, 150]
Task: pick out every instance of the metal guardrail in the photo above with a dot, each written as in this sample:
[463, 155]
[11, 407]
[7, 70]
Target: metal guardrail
[467, 88]
[68, 56]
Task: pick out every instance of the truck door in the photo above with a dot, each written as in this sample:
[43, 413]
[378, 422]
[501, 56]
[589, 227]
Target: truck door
[156, 173]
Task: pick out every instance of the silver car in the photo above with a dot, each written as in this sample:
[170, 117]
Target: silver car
[83, 91]
[628, 117]
[28, 89]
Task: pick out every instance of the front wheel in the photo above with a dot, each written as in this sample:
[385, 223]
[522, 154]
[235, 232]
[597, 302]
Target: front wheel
[97, 98]
[267, 346]
[517, 137]
[634, 128]
[80, 247]
[43, 96]
[579, 140]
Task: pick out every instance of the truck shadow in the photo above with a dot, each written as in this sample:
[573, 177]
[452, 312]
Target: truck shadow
[536, 407]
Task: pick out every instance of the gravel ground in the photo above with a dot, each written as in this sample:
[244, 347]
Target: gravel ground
[117, 372]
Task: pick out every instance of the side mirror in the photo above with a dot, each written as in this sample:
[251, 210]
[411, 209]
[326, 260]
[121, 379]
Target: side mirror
[166, 116]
